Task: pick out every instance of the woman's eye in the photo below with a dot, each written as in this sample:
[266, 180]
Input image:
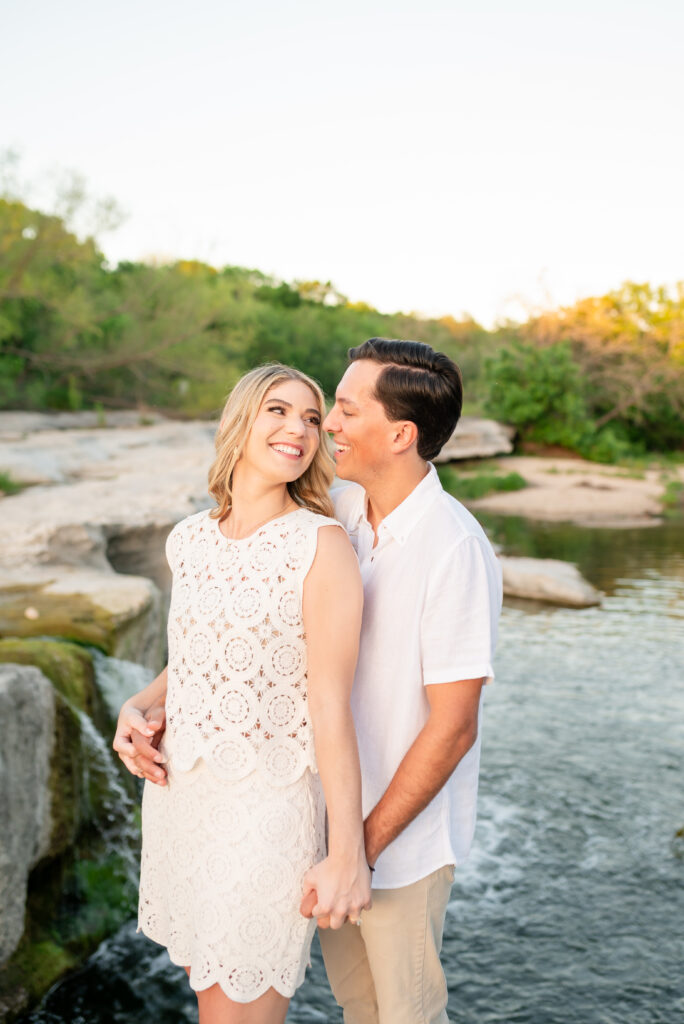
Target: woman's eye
[276, 408]
[314, 421]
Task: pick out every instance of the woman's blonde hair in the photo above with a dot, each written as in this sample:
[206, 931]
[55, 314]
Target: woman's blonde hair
[311, 489]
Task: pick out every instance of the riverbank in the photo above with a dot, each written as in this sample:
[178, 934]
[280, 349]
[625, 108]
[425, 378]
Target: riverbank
[581, 492]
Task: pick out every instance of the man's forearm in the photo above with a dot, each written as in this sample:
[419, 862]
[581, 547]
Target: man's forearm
[425, 768]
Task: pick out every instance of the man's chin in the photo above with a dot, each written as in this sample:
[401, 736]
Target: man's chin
[342, 473]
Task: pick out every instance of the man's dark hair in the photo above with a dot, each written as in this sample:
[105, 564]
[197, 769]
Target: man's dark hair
[418, 384]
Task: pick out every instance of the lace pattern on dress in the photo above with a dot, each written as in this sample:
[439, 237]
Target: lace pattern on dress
[237, 686]
[221, 877]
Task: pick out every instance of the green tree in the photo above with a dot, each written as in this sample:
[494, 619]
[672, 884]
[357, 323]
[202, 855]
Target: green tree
[539, 391]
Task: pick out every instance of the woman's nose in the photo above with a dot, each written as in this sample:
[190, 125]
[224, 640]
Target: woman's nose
[296, 426]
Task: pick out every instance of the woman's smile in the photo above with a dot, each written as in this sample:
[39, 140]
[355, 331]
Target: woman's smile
[289, 450]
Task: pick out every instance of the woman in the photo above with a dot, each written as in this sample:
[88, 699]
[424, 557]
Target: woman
[263, 635]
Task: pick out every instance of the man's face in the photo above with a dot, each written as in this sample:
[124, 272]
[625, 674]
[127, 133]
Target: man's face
[362, 434]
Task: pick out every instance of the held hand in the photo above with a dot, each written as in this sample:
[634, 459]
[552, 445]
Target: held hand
[309, 900]
[136, 740]
[149, 760]
[341, 889]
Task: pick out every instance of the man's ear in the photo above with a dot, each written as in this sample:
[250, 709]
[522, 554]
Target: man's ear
[405, 435]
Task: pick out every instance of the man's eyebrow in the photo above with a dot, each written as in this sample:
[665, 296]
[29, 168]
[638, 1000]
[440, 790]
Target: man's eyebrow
[345, 401]
[282, 401]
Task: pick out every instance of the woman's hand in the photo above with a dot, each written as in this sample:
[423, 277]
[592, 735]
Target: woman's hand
[137, 739]
[141, 725]
[337, 889]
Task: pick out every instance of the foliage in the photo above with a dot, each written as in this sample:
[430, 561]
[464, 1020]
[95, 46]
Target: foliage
[629, 348]
[544, 393]
[604, 377]
[673, 498]
[477, 485]
[8, 485]
[76, 334]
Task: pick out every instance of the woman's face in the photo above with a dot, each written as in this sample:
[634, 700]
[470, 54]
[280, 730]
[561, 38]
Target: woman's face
[285, 435]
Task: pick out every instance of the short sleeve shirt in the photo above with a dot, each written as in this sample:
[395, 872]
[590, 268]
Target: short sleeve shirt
[432, 599]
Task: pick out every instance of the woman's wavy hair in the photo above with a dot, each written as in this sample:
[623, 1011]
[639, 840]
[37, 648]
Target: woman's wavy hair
[311, 489]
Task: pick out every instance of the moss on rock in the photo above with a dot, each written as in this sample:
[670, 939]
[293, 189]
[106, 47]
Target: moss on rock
[29, 611]
[84, 887]
[29, 973]
[120, 615]
[68, 667]
[68, 798]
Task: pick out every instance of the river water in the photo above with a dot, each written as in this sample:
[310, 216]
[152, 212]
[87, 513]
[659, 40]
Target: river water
[570, 909]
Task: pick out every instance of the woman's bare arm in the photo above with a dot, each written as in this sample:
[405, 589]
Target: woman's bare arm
[333, 600]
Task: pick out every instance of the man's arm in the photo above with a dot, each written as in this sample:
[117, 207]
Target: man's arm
[448, 734]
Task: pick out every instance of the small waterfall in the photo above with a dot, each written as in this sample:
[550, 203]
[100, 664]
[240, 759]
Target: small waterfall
[117, 680]
[116, 822]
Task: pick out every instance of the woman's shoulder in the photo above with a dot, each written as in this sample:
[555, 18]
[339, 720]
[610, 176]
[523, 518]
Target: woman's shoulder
[198, 521]
[315, 520]
[185, 533]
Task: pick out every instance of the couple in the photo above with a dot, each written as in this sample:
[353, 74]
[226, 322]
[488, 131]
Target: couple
[275, 611]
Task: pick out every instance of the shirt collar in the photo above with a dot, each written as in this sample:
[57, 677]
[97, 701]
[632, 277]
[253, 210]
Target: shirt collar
[402, 519]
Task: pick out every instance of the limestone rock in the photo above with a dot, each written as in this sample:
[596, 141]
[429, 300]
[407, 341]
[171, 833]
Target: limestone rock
[16, 424]
[27, 715]
[122, 615]
[57, 454]
[546, 579]
[477, 439]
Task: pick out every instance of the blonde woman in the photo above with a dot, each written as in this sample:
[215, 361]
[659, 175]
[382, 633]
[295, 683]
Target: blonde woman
[263, 634]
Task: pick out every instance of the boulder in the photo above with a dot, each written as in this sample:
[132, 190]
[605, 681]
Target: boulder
[549, 580]
[27, 721]
[68, 860]
[477, 439]
[121, 615]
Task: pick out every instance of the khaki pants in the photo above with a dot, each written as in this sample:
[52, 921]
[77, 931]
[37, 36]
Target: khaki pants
[387, 971]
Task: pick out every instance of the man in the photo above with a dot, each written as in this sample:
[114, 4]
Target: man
[432, 597]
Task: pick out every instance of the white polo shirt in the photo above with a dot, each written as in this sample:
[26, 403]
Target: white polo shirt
[432, 598]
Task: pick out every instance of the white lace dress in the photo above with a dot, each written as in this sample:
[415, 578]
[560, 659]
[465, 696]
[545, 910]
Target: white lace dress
[227, 842]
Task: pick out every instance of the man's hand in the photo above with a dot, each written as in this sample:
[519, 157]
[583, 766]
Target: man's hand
[137, 741]
[309, 901]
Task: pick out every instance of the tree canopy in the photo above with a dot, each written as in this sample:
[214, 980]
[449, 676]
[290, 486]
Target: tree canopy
[602, 377]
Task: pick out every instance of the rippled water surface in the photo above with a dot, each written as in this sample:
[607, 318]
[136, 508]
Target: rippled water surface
[570, 909]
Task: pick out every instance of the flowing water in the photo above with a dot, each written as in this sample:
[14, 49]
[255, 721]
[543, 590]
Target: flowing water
[570, 909]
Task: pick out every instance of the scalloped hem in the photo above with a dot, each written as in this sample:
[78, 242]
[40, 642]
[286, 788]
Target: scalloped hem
[187, 767]
[285, 991]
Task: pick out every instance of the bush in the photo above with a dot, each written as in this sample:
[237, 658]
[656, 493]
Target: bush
[543, 392]
[539, 391]
[478, 485]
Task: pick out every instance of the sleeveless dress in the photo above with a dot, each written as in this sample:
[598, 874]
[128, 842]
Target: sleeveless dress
[227, 842]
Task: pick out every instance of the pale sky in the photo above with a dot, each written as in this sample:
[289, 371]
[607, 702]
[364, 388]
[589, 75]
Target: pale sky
[443, 157]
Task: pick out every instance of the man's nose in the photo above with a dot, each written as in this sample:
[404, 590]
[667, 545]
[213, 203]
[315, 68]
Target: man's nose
[329, 421]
